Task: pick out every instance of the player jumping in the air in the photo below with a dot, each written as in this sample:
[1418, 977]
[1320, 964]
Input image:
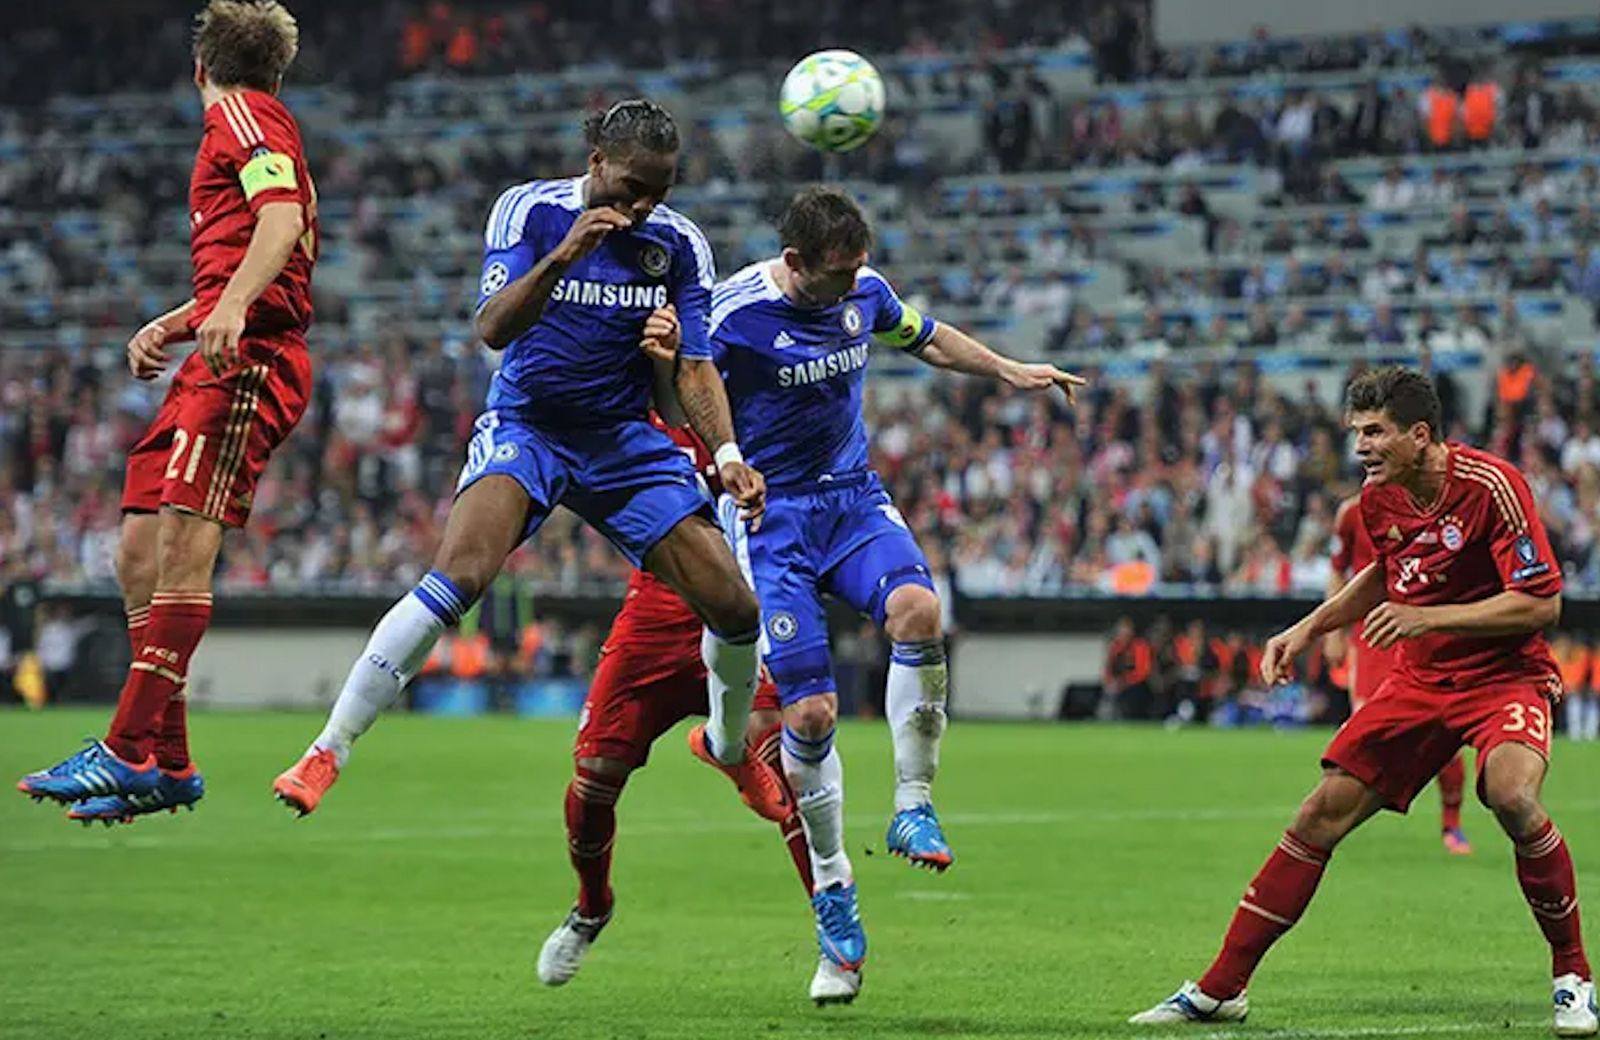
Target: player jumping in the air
[792, 334]
[577, 275]
[253, 239]
[650, 677]
[1465, 584]
[1368, 667]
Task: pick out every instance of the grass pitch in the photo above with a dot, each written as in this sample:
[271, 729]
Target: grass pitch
[1096, 868]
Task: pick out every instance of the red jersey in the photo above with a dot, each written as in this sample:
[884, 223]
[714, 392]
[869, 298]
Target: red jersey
[1352, 546]
[1480, 537]
[250, 155]
[651, 602]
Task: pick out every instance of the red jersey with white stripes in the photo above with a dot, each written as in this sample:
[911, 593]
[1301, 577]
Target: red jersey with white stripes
[250, 155]
[1480, 537]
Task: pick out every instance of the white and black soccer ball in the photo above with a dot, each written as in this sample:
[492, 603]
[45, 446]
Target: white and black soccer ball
[832, 100]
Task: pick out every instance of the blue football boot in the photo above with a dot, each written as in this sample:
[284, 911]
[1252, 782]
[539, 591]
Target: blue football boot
[173, 791]
[915, 834]
[92, 772]
[843, 943]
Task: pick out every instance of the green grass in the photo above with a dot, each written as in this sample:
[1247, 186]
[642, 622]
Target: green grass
[1096, 869]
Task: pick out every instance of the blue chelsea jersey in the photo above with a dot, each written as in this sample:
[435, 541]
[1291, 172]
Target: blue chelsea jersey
[580, 364]
[795, 374]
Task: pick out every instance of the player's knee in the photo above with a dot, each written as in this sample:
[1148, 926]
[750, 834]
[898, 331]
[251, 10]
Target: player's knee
[187, 550]
[733, 611]
[136, 564]
[1514, 802]
[913, 615]
[813, 717]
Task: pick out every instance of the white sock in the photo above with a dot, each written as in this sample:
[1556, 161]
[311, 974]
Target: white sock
[731, 669]
[918, 685]
[395, 652]
[816, 773]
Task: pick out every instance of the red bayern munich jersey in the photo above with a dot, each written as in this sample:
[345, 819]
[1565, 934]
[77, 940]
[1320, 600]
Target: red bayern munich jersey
[651, 602]
[1481, 536]
[250, 155]
[1352, 547]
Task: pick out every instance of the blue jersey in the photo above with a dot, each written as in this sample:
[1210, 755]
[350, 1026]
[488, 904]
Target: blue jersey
[795, 374]
[580, 364]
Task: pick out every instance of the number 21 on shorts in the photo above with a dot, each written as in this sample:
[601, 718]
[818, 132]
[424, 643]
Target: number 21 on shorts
[1528, 718]
[196, 448]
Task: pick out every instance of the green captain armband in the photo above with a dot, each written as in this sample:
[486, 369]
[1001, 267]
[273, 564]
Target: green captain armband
[266, 171]
[906, 334]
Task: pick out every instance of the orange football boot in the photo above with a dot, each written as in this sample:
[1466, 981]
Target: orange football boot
[760, 787]
[303, 784]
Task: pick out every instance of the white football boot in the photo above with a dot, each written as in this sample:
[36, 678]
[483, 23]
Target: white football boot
[563, 952]
[1189, 1004]
[833, 984]
[1575, 1008]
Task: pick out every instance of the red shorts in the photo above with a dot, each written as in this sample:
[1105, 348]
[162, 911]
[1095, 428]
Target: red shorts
[1401, 738]
[1369, 670]
[644, 687]
[207, 446]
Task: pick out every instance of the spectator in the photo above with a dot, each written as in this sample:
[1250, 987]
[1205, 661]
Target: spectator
[1394, 191]
[1383, 282]
[1354, 236]
[1385, 327]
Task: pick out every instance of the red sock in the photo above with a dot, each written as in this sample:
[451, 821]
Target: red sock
[138, 622]
[769, 748]
[1452, 778]
[591, 828]
[177, 622]
[1544, 869]
[172, 742]
[1271, 905]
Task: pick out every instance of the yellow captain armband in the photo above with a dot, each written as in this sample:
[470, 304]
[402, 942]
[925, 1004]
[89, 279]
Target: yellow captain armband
[266, 171]
[905, 334]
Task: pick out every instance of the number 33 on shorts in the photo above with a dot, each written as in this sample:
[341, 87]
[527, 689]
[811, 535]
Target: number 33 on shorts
[1530, 719]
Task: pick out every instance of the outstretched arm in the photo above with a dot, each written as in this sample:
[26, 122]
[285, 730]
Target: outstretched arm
[1350, 604]
[953, 349]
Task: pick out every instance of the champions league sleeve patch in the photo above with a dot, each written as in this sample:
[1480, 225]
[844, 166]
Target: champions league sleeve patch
[1528, 556]
[495, 277]
[267, 171]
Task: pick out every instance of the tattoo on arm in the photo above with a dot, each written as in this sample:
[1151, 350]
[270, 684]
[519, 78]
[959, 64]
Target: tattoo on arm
[705, 402]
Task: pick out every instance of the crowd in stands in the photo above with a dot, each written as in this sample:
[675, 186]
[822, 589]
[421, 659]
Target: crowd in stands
[1209, 476]
[1201, 475]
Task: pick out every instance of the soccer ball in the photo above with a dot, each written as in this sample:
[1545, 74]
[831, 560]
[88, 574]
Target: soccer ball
[832, 100]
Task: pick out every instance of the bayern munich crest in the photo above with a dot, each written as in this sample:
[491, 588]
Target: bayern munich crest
[850, 318]
[1451, 537]
[653, 260]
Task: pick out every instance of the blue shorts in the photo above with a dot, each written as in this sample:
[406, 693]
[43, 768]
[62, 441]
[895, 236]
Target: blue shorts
[845, 538]
[628, 481]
